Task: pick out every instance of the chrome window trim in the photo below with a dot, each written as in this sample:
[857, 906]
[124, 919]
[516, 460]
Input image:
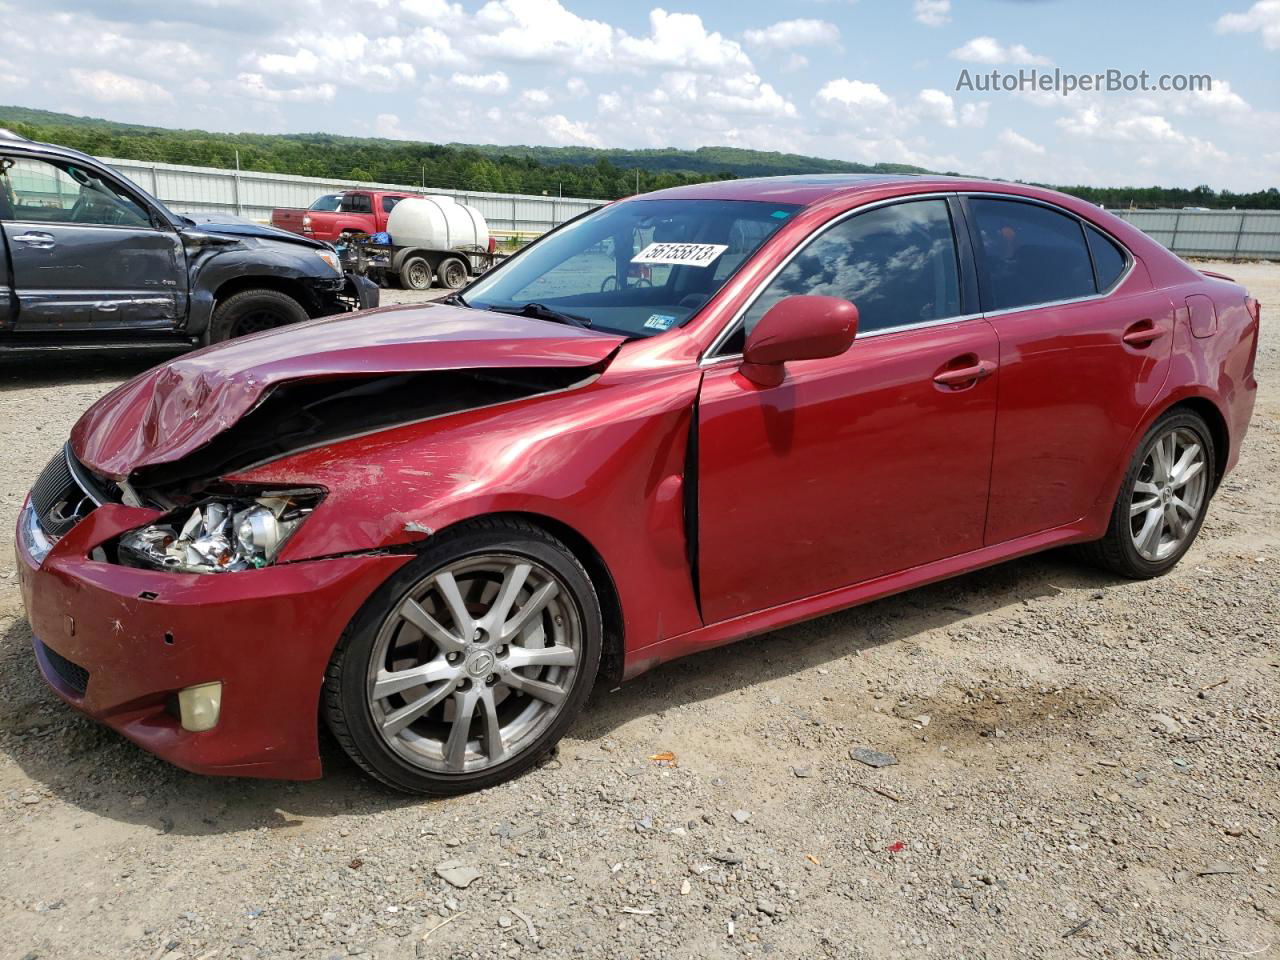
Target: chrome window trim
[709, 358]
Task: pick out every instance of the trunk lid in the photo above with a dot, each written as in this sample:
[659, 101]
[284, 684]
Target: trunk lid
[168, 412]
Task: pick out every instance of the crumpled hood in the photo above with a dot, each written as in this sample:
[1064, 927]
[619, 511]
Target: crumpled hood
[166, 413]
[226, 225]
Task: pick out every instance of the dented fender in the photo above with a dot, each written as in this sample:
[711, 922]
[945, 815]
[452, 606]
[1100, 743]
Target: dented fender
[608, 460]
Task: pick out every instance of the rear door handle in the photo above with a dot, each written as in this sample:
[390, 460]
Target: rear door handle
[1142, 334]
[34, 238]
[960, 377]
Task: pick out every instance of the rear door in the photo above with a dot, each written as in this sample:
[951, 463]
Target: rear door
[87, 253]
[1084, 350]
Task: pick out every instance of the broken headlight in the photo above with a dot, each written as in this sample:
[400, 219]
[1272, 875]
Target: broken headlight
[220, 535]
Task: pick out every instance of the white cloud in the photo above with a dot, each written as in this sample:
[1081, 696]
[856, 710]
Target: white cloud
[9, 76]
[990, 50]
[107, 86]
[933, 13]
[496, 82]
[737, 94]
[1016, 141]
[854, 93]
[681, 41]
[1263, 17]
[609, 103]
[565, 131]
[255, 86]
[939, 105]
[540, 30]
[535, 97]
[577, 87]
[388, 125]
[786, 34]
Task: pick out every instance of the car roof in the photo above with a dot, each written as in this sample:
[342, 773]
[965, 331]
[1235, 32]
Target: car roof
[806, 189]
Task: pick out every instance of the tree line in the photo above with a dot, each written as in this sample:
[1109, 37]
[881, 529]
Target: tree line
[564, 171]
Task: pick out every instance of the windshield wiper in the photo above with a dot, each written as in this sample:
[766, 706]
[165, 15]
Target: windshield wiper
[455, 300]
[541, 311]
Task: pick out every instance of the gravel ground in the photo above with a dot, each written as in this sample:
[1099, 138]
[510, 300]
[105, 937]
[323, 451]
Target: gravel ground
[1084, 767]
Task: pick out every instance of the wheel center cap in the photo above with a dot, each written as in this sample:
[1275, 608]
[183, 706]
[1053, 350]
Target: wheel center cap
[480, 663]
[1166, 495]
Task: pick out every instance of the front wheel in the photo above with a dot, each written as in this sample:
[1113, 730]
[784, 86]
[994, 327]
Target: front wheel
[252, 311]
[1163, 499]
[468, 666]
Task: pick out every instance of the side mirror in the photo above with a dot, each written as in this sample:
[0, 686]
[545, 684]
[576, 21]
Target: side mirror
[797, 328]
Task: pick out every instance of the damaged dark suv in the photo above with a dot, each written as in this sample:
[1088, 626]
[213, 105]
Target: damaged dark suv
[89, 260]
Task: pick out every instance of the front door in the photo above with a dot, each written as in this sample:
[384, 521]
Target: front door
[860, 465]
[85, 253]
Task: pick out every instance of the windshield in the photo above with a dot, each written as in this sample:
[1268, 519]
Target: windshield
[638, 268]
[328, 203]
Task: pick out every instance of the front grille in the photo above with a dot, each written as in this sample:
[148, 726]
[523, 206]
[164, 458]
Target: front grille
[73, 676]
[59, 500]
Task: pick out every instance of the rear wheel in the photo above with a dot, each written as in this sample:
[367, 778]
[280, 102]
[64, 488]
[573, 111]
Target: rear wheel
[251, 311]
[1163, 499]
[415, 274]
[470, 663]
[452, 273]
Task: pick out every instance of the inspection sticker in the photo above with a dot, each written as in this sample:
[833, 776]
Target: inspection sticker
[681, 254]
[659, 321]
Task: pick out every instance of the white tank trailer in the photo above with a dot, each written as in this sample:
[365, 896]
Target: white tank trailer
[435, 238]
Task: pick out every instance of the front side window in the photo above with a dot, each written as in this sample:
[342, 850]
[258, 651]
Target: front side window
[639, 267]
[36, 191]
[897, 264]
[329, 203]
[1029, 254]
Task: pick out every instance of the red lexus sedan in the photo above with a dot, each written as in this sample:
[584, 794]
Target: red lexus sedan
[676, 421]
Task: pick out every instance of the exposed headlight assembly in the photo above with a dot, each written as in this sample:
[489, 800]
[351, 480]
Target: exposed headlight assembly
[331, 258]
[220, 535]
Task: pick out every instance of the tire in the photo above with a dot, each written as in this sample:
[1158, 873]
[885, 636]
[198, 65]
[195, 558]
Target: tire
[1151, 496]
[402, 671]
[251, 311]
[452, 273]
[415, 274]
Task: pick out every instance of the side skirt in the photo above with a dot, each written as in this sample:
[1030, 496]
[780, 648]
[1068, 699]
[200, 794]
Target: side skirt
[795, 611]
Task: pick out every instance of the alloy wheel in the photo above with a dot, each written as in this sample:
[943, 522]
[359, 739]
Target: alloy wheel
[1169, 494]
[474, 663]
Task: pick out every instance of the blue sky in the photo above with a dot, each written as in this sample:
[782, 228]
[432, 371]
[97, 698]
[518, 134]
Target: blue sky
[872, 80]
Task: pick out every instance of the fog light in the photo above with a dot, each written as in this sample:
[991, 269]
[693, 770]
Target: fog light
[199, 706]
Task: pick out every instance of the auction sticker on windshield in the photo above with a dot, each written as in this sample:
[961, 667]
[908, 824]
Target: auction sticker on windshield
[681, 254]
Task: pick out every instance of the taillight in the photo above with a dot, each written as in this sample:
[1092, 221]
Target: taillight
[1254, 308]
[306, 223]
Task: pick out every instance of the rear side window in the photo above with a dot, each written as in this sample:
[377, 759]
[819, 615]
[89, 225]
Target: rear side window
[1030, 254]
[897, 264]
[389, 203]
[357, 203]
[1108, 259]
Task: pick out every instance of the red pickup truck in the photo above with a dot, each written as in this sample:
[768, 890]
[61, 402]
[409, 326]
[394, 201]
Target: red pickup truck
[333, 215]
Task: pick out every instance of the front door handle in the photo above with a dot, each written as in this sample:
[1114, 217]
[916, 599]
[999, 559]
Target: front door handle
[958, 378]
[1142, 334]
[36, 239]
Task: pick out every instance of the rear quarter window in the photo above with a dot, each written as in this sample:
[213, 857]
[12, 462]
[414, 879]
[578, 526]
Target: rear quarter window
[1108, 259]
[1030, 254]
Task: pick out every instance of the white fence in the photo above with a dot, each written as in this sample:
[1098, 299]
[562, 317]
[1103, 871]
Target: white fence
[196, 190]
[1220, 234]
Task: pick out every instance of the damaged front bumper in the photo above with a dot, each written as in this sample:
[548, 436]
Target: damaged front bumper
[120, 643]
